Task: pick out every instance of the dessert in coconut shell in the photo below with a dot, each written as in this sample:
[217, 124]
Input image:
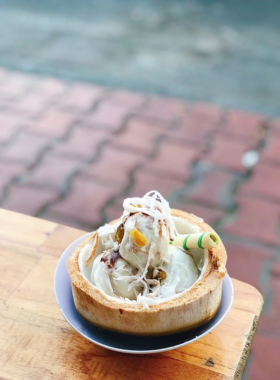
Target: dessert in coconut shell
[154, 271]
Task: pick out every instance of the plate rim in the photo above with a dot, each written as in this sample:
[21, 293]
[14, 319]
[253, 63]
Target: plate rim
[67, 253]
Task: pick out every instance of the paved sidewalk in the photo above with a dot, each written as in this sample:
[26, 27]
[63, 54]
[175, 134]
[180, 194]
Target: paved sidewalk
[71, 153]
[214, 51]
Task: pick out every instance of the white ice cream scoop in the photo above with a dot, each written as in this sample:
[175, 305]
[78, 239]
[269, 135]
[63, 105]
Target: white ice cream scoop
[144, 243]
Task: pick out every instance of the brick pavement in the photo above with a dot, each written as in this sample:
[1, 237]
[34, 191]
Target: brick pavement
[70, 152]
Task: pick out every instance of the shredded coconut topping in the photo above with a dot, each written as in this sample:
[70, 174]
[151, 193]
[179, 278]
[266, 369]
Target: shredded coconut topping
[154, 205]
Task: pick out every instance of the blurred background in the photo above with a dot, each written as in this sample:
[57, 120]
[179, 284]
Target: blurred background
[104, 100]
[217, 51]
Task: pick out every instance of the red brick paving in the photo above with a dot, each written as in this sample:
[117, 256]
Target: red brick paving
[240, 259]
[82, 143]
[108, 116]
[213, 189]
[173, 161]
[140, 136]
[208, 214]
[8, 171]
[125, 98]
[144, 181]
[28, 199]
[275, 125]
[33, 104]
[114, 211]
[9, 125]
[88, 206]
[165, 109]
[71, 152]
[53, 172]
[257, 220]
[54, 124]
[227, 152]
[270, 323]
[247, 126]
[270, 153]
[197, 123]
[54, 88]
[203, 113]
[81, 98]
[264, 363]
[113, 167]
[275, 270]
[264, 182]
[26, 148]
[64, 220]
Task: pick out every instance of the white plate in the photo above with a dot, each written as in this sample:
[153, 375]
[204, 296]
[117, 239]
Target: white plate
[122, 342]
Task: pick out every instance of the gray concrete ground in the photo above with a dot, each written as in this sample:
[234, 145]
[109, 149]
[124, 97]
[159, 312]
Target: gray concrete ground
[224, 52]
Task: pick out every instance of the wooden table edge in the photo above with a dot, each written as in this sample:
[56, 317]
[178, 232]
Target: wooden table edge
[250, 291]
[247, 348]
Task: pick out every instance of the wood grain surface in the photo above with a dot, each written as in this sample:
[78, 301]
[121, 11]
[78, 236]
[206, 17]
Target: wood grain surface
[36, 343]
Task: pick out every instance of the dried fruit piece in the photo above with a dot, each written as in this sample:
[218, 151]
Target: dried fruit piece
[138, 238]
[119, 233]
[161, 274]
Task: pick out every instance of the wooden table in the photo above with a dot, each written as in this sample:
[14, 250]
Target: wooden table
[37, 343]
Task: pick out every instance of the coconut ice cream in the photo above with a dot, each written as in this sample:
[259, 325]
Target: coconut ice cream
[144, 258]
[152, 271]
